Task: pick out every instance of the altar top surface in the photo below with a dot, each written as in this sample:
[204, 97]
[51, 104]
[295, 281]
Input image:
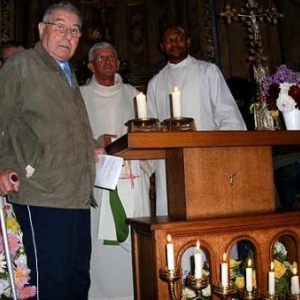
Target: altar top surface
[225, 223]
[152, 145]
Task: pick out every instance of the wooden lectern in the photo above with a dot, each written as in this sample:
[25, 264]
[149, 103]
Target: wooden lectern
[220, 190]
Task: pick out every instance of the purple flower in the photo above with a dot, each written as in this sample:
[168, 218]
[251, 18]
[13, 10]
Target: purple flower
[271, 86]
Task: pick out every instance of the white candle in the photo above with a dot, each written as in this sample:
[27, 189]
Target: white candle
[249, 285]
[141, 105]
[176, 103]
[295, 283]
[224, 271]
[170, 253]
[198, 261]
[272, 280]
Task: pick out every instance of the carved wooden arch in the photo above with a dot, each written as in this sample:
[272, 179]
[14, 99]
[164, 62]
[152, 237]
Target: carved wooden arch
[290, 239]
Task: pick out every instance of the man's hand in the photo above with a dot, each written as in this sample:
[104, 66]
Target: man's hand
[9, 182]
[105, 139]
[98, 151]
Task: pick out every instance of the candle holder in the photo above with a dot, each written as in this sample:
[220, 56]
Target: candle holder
[143, 124]
[170, 276]
[266, 296]
[197, 285]
[178, 124]
[244, 294]
[224, 292]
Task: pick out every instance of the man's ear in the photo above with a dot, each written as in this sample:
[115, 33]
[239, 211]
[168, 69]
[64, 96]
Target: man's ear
[118, 65]
[90, 66]
[41, 27]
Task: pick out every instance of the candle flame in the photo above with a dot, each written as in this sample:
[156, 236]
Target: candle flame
[272, 266]
[249, 263]
[175, 89]
[224, 257]
[198, 245]
[169, 238]
[295, 271]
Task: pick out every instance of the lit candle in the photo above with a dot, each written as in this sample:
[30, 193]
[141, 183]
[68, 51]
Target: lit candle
[249, 285]
[272, 280]
[170, 253]
[176, 103]
[295, 283]
[141, 105]
[198, 261]
[224, 271]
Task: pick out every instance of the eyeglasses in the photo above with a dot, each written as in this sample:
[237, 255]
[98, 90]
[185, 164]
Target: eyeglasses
[102, 59]
[75, 31]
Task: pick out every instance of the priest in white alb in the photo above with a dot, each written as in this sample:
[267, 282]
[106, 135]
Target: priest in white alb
[110, 104]
[205, 97]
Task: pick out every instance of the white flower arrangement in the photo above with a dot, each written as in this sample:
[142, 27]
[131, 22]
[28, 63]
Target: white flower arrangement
[282, 90]
[285, 102]
[279, 249]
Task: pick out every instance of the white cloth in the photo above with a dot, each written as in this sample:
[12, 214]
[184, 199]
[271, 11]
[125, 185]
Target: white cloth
[205, 97]
[133, 190]
[109, 108]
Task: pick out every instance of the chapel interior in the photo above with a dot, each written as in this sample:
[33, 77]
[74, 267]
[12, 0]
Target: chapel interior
[134, 28]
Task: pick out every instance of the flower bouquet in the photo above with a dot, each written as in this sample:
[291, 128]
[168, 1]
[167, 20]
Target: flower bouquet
[282, 267]
[19, 261]
[283, 270]
[238, 269]
[282, 92]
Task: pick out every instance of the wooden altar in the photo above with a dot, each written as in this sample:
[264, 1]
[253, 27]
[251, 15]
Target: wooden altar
[220, 191]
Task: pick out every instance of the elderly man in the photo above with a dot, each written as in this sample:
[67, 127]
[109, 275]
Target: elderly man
[110, 104]
[46, 140]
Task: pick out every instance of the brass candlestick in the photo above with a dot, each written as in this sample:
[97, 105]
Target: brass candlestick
[197, 284]
[170, 276]
[143, 124]
[225, 292]
[254, 294]
[178, 124]
[267, 296]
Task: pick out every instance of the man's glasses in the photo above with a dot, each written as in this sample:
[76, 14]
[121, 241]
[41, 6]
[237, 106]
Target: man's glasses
[102, 59]
[75, 31]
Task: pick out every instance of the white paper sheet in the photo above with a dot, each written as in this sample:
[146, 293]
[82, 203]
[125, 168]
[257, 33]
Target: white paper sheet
[108, 171]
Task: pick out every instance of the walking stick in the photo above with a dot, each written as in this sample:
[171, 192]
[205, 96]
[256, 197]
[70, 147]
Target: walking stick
[13, 179]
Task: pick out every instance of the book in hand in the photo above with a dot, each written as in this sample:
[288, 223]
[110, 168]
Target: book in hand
[108, 171]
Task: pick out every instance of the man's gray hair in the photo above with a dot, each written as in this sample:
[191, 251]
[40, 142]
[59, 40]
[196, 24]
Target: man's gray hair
[67, 6]
[101, 45]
